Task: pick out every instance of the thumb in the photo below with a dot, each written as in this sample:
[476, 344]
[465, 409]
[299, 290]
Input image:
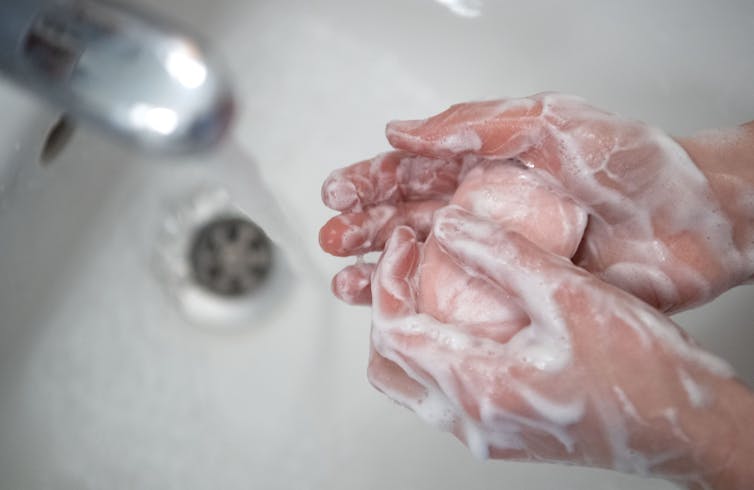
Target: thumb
[393, 289]
[505, 258]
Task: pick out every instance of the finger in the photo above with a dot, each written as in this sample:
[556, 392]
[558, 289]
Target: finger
[501, 129]
[506, 258]
[430, 353]
[393, 291]
[389, 178]
[359, 233]
[399, 332]
[353, 284]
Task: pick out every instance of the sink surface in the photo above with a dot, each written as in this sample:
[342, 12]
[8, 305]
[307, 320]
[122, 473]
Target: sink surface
[107, 381]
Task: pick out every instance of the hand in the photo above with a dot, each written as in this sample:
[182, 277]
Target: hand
[525, 200]
[657, 228]
[595, 377]
[519, 199]
[374, 197]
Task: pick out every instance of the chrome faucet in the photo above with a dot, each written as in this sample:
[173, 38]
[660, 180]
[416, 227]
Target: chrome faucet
[133, 74]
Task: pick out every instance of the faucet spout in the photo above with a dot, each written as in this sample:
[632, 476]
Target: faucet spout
[137, 76]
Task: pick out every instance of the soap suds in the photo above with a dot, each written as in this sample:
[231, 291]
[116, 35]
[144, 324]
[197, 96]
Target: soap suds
[699, 396]
[496, 392]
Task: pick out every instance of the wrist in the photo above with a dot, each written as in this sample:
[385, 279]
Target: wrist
[727, 447]
[726, 158]
[728, 151]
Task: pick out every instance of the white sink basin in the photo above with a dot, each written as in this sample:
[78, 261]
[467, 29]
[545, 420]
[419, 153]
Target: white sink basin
[107, 382]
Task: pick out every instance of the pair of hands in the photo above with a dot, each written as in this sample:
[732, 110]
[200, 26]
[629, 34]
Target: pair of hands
[517, 236]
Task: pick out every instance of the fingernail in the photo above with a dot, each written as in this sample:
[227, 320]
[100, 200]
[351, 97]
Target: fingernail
[404, 126]
[341, 237]
[400, 235]
[352, 284]
[339, 194]
[448, 222]
[356, 240]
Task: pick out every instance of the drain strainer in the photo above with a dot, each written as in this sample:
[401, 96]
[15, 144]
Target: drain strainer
[231, 256]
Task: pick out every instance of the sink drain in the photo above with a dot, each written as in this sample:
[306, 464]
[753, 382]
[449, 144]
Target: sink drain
[231, 257]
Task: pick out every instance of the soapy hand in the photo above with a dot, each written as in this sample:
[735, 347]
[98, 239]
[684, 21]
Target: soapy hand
[593, 376]
[486, 329]
[656, 227]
